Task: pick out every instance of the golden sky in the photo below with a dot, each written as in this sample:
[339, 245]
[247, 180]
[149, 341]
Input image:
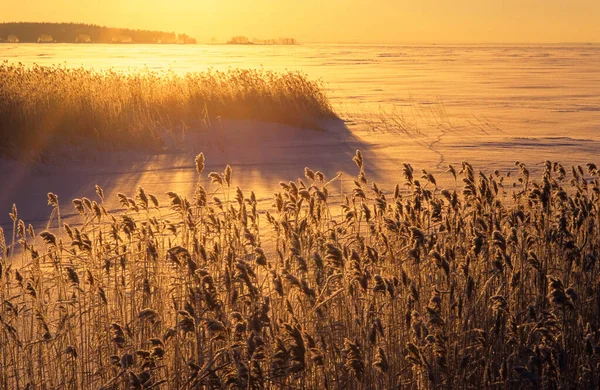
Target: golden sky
[386, 21]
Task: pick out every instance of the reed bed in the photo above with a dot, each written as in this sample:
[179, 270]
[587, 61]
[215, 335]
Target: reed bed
[490, 284]
[46, 107]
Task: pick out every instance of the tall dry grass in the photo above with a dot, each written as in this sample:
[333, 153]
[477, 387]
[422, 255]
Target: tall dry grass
[492, 284]
[52, 105]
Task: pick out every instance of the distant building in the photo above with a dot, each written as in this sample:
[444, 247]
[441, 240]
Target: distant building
[239, 40]
[45, 38]
[83, 38]
[242, 40]
[122, 39]
[12, 39]
[185, 39]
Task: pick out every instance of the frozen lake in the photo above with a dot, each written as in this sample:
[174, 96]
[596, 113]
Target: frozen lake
[549, 88]
[426, 105]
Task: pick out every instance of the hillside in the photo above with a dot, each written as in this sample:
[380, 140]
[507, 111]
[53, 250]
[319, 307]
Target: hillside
[84, 33]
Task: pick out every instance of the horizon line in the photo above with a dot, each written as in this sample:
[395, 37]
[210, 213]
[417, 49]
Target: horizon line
[369, 42]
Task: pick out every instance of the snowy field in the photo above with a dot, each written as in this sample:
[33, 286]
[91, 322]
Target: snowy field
[428, 106]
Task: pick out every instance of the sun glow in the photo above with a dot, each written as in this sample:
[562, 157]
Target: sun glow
[335, 20]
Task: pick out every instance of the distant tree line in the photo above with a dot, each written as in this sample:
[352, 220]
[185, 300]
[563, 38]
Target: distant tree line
[84, 33]
[242, 40]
